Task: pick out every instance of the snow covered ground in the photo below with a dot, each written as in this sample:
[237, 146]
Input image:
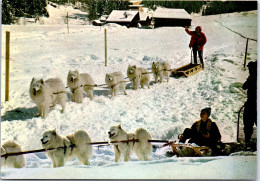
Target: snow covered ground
[46, 50]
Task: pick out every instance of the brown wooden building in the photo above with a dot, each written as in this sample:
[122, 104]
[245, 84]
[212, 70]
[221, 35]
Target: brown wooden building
[171, 17]
[124, 17]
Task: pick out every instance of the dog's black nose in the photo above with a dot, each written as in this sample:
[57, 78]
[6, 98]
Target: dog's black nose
[41, 140]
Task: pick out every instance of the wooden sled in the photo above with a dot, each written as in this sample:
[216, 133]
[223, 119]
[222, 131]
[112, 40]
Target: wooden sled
[187, 150]
[182, 150]
[187, 70]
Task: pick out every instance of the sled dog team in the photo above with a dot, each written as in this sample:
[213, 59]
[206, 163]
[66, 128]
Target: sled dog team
[77, 144]
[48, 93]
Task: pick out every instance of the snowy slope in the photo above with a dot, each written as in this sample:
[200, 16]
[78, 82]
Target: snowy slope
[46, 51]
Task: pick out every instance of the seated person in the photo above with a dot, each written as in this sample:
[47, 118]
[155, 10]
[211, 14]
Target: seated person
[203, 132]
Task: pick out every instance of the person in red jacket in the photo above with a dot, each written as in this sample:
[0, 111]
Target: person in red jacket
[197, 42]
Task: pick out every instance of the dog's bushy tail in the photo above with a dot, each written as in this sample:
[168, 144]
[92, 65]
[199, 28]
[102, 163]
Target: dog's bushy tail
[143, 148]
[81, 139]
[142, 135]
[18, 161]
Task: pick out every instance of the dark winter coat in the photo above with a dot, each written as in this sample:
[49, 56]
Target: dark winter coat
[199, 128]
[201, 38]
[251, 86]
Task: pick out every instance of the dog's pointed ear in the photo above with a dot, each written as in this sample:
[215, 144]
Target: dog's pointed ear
[69, 71]
[119, 126]
[42, 81]
[33, 79]
[76, 71]
[54, 132]
[134, 66]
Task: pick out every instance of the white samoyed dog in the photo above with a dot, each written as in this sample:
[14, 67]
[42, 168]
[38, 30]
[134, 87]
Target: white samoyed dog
[138, 76]
[67, 147]
[48, 93]
[142, 148]
[161, 70]
[78, 83]
[17, 161]
[115, 81]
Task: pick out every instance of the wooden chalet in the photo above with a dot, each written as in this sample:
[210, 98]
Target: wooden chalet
[124, 17]
[171, 17]
[144, 18]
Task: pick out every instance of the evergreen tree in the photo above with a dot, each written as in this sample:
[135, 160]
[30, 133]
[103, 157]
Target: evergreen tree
[97, 8]
[7, 16]
[11, 9]
[218, 7]
[189, 6]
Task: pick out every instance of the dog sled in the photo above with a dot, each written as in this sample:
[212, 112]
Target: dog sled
[190, 150]
[225, 149]
[187, 70]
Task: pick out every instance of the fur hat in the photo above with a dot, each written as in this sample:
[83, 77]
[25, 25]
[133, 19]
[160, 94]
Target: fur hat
[207, 110]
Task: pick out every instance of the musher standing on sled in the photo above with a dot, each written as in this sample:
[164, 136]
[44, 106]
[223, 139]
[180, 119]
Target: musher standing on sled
[204, 132]
[197, 42]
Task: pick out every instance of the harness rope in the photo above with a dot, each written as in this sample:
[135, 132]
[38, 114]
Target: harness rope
[98, 85]
[101, 85]
[73, 145]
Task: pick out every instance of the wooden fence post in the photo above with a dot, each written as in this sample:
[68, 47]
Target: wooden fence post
[105, 47]
[68, 22]
[7, 65]
[246, 52]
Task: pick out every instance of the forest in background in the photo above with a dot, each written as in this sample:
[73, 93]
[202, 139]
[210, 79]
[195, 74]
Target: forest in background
[219, 7]
[13, 9]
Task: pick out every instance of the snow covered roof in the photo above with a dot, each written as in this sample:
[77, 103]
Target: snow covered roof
[171, 13]
[121, 16]
[135, 6]
[103, 18]
[143, 16]
[135, 1]
[98, 22]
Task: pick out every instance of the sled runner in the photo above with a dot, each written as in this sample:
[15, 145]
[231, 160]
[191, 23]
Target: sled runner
[189, 150]
[187, 70]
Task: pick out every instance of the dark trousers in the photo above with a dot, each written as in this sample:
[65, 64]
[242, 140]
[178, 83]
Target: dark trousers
[249, 119]
[195, 50]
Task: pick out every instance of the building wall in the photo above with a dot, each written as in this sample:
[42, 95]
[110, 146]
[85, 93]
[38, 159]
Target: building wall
[172, 22]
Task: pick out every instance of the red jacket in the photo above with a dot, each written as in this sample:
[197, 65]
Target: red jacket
[201, 41]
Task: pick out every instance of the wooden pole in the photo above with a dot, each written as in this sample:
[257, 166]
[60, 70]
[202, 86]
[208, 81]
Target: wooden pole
[68, 22]
[105, 47]
[246, 52]
[7, 66]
